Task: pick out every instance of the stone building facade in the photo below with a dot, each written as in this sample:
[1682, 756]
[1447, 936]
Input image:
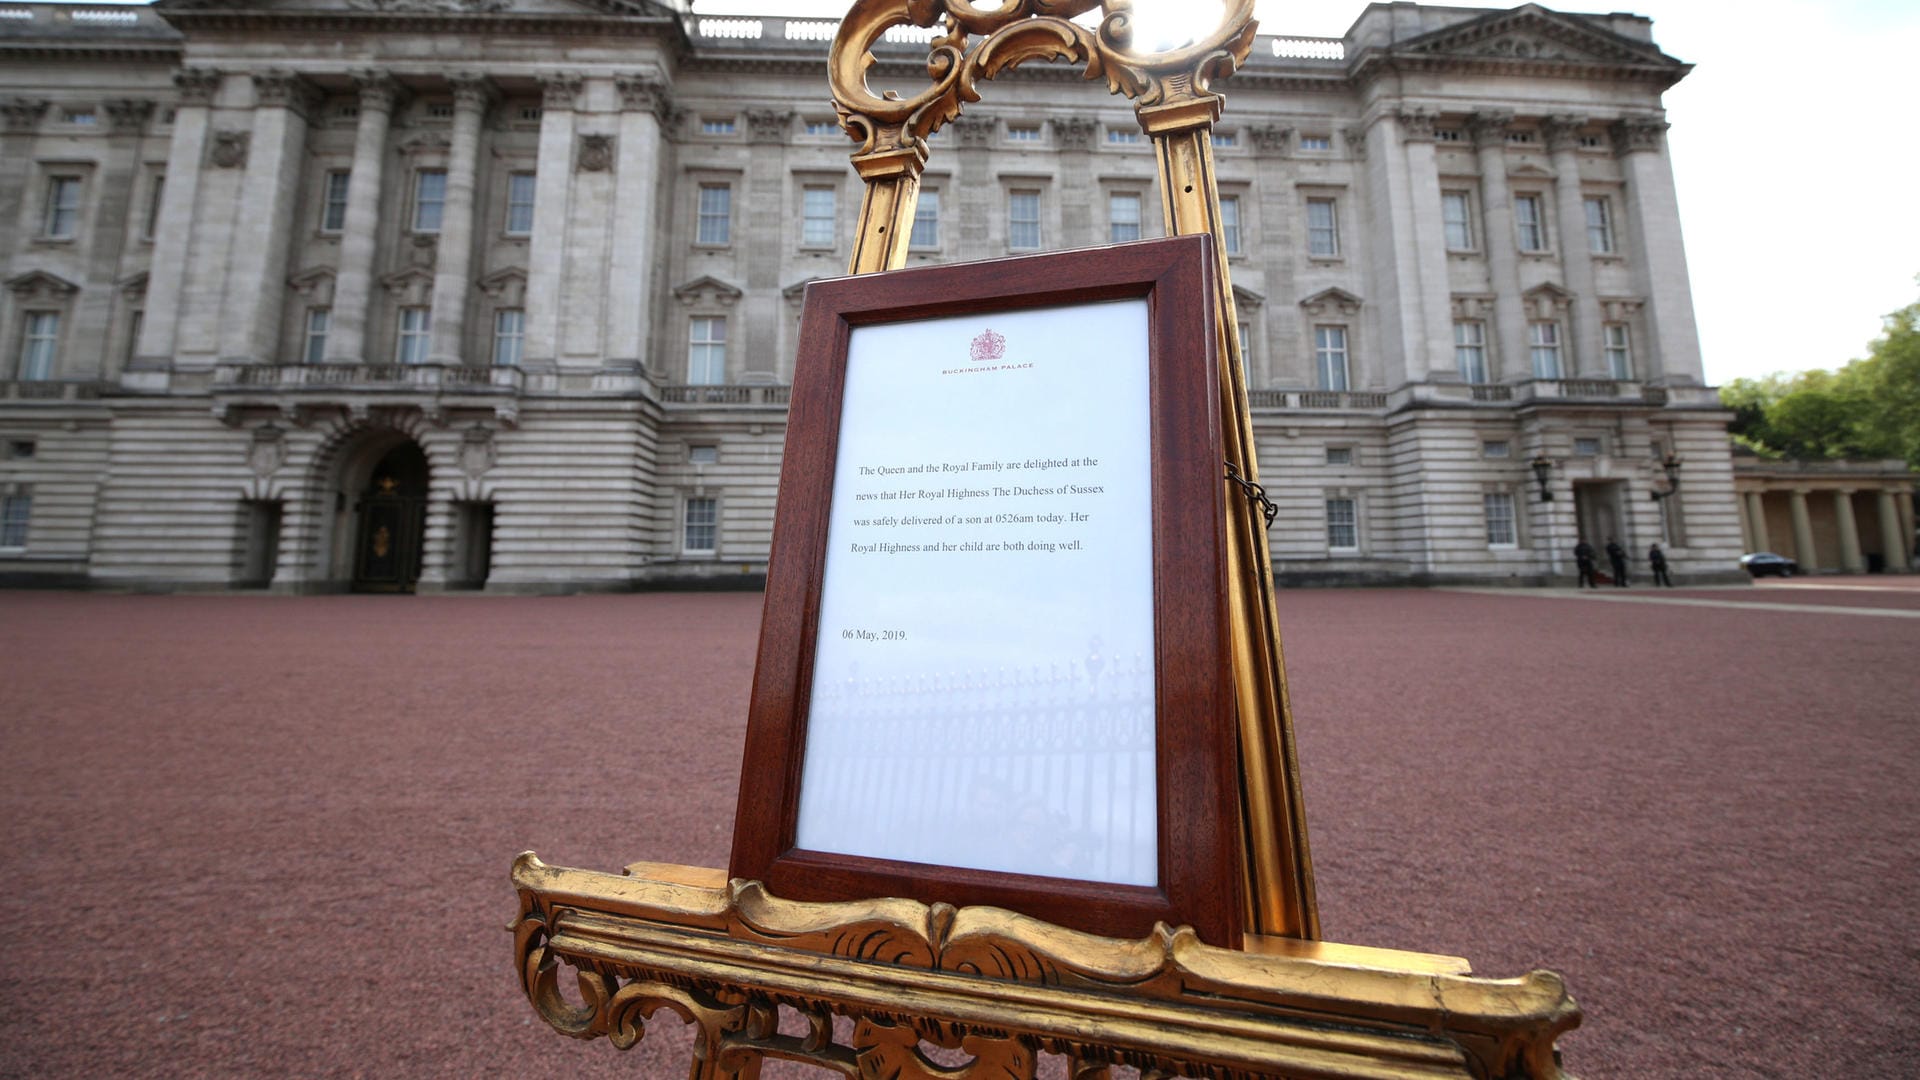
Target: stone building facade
[397, 294]
[1845, 517]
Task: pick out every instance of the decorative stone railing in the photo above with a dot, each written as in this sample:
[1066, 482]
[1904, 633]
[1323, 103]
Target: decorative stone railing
[1316, 399]
[777, 28]
[1492, 392]
[1305, 48]
[48, 390]
[414, 377]
[726, 394]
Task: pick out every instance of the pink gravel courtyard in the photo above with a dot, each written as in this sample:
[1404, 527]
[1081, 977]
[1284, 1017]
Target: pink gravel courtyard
[253, 835]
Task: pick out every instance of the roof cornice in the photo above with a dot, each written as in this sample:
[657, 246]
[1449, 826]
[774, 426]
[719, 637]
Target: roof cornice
[189, 20]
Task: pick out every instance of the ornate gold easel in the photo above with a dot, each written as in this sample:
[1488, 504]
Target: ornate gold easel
[999, 986]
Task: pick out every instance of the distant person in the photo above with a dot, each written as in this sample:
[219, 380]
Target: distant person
[1617, 555]
[1583, 557]
[1657, 562]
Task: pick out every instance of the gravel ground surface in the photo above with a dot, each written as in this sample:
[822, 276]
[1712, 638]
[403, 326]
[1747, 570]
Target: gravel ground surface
[270, 836]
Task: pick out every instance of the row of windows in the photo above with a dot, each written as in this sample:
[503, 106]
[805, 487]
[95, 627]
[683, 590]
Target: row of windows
[1529, 223]
[428, 210]
[1544, 350]
[1343, 522]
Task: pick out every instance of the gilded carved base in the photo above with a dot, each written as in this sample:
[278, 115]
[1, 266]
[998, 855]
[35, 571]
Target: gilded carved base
[1002, 988]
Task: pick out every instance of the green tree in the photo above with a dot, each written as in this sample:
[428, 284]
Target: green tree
[1868, 409]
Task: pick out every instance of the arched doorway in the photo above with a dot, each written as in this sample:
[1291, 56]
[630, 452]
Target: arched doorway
[391, 515]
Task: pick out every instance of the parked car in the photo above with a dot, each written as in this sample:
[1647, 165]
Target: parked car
[1762, 563]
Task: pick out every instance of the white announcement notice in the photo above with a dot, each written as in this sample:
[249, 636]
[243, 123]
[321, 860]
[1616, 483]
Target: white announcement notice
[983, 691]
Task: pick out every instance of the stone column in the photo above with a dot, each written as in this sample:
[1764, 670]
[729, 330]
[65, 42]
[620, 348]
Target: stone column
[22, 117]
[1503, 266]
[1576, 258]
[1757, 514]
[1851, 560]
[119, 170]
[453, 265]
[173, 238]
[1079, 220]
[547, 249]
[1660, 258]
[1893, 548]
[1903, 502]
[359, 239]
[1803, 532]
[257, 285]
[643, 101]
[1429, 342]
[751, 353]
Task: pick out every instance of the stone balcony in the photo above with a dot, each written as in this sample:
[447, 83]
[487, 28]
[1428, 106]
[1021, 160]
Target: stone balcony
[432, 388]
[1317, 400]
[50, 390]
[769, 395]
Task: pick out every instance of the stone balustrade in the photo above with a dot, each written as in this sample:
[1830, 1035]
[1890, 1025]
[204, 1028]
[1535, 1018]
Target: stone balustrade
[411, 377]
[727, 394]
[49, 390]
[1316, 399]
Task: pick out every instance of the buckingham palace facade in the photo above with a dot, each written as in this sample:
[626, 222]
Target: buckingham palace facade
[436, 294]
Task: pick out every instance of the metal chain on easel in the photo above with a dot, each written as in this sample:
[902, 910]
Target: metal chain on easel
[1255, 493]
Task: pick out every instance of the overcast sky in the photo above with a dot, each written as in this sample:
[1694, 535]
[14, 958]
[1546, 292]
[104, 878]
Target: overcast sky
[1795, 151]
[1794, 148]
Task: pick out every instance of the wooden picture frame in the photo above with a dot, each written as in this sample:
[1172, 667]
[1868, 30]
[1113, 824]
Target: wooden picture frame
[1195, 873]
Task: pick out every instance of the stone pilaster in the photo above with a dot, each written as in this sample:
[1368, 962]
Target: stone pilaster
[173, 239]
[1851, 560]
[1429, 341]
[1757, 516]
[1803, 551]
[547, 249]
[643, 100]
[353, 280]
[453, 268]
[118, 172]
[21, 119]
[1079, 223]
[767, 235]
[1576, 258]
[1509, 336]
[256, 288]
[1892, 548]
[1659, 255]
[974, 196]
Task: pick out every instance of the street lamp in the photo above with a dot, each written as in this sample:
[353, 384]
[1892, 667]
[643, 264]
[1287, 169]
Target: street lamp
[1671, 466]
[1543, 472]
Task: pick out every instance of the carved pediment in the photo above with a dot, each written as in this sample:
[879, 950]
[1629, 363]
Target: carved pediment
[707, 289]
[413, 285]
[40, 285]
[506, 287]
[1531, 32]
[1546, 300]
[1332, 301]
[315, 284]
[1247, 298]
[796, 292]
[133, 285]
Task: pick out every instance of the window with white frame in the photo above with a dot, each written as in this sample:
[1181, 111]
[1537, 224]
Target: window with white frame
[1123, 217]
[700, 531]
[714, 223]
[79, 117]
[1502, 528]
[39, 340]
[1599, 225]
[16, 517]
[136, 319]
[1224, 139]
[1496, 449]
[1316, 142]
[19, 450]
[1456, 210]
[509, 336]
[520, 189]
[429, 199]
[817, 204]
[1023, 132]
[1530, 223]
[333, 201]
[717, 125]
[416, 332]
[1122, 136]
[1023, 220]
[1587, 446]
[822, 127]
[1619, 350]
[703, 455]
[1470, 350]
[1339, 455]
[926, 221]
[63, 208]
[1343, 524]
[1543, 346]
[1323, 227]
[1230, 223]
[1246, 346]
[707, 350]
[150, 226]
[313, 346]
[1330, 357]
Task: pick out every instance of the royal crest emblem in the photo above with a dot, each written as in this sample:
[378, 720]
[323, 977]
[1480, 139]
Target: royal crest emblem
[988, 346]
